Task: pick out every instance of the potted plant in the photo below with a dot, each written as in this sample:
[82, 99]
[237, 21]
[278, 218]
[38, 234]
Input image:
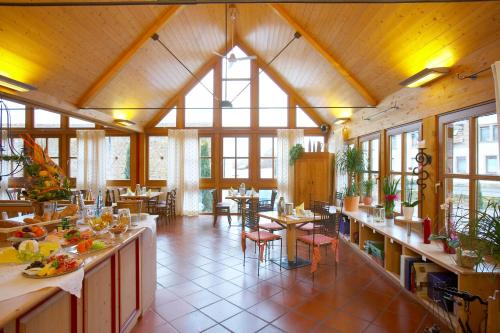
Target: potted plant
[295, 153]
[351, 162]
[488, 230]
[409, 204]
[391, 195]
[367, 189]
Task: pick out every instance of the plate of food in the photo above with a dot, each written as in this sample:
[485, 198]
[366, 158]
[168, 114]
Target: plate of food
[90, 246]
[31, 232]
[56, 265]
[74, 236]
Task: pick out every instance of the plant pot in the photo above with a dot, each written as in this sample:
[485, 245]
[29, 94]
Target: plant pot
[408, 212]
[367, 200]
[467, 258]
[389, 209]
[351, 204]
[448, 249]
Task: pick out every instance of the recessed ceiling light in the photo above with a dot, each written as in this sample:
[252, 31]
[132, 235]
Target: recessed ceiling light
[424, 76]
[14, 84]
[123, 122]
[340, 121]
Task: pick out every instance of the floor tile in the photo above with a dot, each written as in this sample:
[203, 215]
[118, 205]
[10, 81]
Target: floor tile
[163, 296]
[346, 323]
[174, 309]
[201, 299]
[217, 329]
[193, 322]
[245, 299]
[268, 310]
[225, 289]
[244, 322]
[293, 322]
[148, 322]
[208, 281]
[185, 289]
[270, 329]
[221, 310]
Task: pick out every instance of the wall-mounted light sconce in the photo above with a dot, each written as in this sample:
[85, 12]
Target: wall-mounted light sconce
[340, 121]
[14, 84]
[345, 133]
[123, 122]
[425, 76]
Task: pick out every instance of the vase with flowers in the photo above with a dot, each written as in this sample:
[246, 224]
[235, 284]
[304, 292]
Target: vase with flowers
[409, 204]
[391, 195]
[448, 235]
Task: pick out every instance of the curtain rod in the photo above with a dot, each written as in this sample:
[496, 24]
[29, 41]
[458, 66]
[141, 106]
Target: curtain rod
[235, 108]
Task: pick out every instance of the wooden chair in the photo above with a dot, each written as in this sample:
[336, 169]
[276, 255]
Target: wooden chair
[220, 208]
[135, 206]
[260, 237]
[152, 205]
[316, 208]
[14, 193]
[267, 205]
[171, 202]
[163, 208]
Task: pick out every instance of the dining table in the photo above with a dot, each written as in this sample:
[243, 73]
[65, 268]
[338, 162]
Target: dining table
[290, 222]
[242, 199]
[145, 197]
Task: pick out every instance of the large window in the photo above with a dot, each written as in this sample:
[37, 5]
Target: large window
[403, 148]
[268, 157]
[18, 145]
[52, 147]
[235, 157]
[17, 114]
[170, 119]
[47, 119]
[199, 103]
[273, 103]
[370, 146]
[157, 151]
[73, 157]
[236, 89]
[205, 144]
[118, 151]
[303, 119]
[79, 123]
[470, 172]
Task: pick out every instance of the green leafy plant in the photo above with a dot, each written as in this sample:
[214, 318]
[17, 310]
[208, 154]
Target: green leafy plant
[295, 153]
[367, 187]
[391, 188]
[351, 161]
[409, 202]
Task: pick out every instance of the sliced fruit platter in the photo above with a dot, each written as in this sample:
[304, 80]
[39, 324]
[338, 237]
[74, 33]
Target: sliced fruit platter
[28, 251]
[56, 265]
[90, 245]
[29, 232]
[72, 237]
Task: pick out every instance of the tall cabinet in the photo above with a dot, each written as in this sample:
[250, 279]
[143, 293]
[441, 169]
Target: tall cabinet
[313, 178]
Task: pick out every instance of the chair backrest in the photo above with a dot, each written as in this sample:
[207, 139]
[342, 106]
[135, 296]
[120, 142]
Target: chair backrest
[251, 214]
[274, 194]
[215, 199]
[135, 206]
[14, 193]
[326, 221]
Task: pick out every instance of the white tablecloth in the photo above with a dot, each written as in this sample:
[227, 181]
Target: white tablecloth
[13, 283]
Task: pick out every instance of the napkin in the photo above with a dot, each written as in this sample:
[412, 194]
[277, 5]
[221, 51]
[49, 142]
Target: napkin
[129, 192]
[299, 210]
[149, 192]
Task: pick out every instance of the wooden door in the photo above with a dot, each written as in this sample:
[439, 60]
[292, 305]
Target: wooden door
[313, 178]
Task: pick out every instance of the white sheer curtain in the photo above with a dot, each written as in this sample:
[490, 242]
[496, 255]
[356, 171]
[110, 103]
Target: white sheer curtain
[5, 168]
[91, 146]
[286, 139]
[338, 146]
[495, 68]
[182, 169]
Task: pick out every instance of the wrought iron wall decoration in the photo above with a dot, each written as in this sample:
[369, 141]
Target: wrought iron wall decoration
[423, 160]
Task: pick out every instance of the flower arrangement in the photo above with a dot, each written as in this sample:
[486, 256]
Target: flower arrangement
[391, 195]
[448, 234]
[46, 180]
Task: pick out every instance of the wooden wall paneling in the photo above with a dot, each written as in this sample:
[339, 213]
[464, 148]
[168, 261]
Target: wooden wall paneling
[283, 13]
[98, 304]
[123, 59]
[383, 165]
[142, 158]
[254, 95]
[429, 195]
[217, 89]
[128, 285]
[53, 315]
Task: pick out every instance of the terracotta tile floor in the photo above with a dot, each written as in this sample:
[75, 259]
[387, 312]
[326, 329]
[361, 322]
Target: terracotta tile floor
[202, 285]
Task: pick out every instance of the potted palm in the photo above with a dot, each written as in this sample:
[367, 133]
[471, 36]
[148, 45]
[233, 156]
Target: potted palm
[391, 195]
[367, 189]
[409, 204]
[351, 163]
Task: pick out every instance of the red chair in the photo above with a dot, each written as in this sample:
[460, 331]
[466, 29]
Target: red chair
[260, 237]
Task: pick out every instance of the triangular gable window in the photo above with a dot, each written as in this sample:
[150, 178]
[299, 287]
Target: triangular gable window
[303, 119]
[170, 120]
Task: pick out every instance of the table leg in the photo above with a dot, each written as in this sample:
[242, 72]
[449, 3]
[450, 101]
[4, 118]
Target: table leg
[292, 261]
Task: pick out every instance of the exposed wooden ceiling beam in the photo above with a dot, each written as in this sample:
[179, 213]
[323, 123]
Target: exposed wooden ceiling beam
[124, 58]
[311, 112]
[283, 13]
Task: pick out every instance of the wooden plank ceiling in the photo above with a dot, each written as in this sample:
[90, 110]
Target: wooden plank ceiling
[64, 51]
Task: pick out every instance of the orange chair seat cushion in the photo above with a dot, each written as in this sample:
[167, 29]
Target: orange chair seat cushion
[271, 226]
[317, 240]
[264, 236]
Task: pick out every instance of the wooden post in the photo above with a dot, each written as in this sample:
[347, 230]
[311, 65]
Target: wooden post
[431, 203]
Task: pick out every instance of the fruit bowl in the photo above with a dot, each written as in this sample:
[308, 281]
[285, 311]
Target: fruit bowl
[32, 232]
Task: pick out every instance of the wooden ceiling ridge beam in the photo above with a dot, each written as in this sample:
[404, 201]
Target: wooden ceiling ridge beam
[125, 57]
[361, 89]
[310, 111]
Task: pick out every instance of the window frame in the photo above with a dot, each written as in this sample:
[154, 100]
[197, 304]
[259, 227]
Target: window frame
[222, 158]
[471, 114]
[211, 158]
[402, 130]
[124, 182]
[152, 182]
[370, 138]
[273, 158]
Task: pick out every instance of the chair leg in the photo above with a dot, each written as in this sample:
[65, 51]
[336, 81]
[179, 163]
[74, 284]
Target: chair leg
[281, 251]
[215, 219]
[296, 251]
[229, 218]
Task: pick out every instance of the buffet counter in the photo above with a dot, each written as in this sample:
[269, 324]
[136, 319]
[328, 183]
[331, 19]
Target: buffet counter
[118, 286]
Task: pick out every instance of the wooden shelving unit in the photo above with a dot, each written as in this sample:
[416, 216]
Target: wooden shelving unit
[397, 242]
